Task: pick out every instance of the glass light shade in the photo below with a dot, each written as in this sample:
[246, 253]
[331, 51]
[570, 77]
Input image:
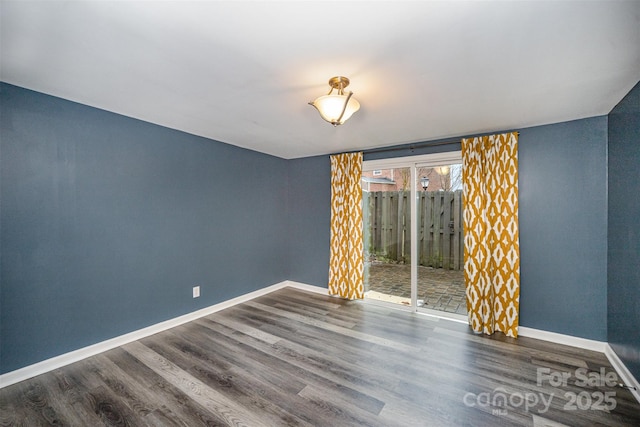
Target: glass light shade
[330, 107]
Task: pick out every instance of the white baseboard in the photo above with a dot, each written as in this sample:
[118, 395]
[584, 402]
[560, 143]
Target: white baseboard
[305, 287]
[65, 359]
[557, 338]
[626, 377]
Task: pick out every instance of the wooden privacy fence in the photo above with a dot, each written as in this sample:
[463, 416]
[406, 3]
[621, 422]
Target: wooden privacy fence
[387, 225]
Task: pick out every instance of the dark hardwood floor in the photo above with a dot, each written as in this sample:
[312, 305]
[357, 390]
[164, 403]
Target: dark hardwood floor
[298, 358]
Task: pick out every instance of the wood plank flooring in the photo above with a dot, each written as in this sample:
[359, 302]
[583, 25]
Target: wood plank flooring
[293, 358]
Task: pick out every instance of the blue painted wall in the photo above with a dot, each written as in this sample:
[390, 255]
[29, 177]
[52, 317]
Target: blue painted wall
[623, 274]
[309, 219]
[563, 228]
[108, 222]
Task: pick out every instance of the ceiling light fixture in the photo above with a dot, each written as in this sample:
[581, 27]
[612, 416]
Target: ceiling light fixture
[337, 108]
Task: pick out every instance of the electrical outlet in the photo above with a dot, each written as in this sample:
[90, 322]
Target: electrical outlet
[196, 291]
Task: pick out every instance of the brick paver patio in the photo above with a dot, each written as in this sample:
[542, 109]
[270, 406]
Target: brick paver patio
[440, 289]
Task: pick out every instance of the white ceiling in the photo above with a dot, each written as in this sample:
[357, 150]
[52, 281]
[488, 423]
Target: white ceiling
[242, 72]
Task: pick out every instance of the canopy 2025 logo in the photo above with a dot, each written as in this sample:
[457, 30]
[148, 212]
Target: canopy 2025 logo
[499, 400]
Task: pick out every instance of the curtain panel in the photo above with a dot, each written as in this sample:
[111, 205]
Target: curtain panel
[491, 235]
[346, 261]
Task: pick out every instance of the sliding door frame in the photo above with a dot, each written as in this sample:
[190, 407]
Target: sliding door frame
[413, 163]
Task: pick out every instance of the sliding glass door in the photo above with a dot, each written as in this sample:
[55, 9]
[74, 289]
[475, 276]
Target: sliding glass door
[440, 282]
[413, 206]
[387, 234]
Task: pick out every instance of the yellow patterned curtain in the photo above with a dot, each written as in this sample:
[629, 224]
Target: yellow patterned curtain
[346, 262]
[491, 238]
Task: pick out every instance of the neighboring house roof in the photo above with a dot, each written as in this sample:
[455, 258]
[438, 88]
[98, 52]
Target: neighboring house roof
[378, 180]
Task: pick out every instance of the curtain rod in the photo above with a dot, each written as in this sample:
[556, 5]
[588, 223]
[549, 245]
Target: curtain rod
[417, 145]
[412, 146]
